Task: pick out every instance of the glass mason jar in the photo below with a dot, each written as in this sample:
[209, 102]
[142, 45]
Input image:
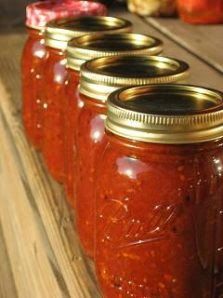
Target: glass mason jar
[83, 49]
[35, 55]
[99, 78]
[57, 35]
[73, 103]
[201, 11]
[159, 207]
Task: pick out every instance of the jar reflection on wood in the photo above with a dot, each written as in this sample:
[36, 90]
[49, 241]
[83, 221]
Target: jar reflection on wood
[99, 78]
[159, 194]
[57, 35]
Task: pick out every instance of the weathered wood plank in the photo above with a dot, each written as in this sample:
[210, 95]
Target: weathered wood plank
[34, 275]
[11, 45]
[7, 285]
[205, 42]
[43, 259]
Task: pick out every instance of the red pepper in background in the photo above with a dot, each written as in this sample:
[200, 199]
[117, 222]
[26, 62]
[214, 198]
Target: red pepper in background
[201, 11]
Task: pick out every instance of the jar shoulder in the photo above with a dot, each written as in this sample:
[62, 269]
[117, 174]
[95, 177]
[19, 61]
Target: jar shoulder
[135, 161]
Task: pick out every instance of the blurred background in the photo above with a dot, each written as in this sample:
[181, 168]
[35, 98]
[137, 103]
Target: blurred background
[12, 12]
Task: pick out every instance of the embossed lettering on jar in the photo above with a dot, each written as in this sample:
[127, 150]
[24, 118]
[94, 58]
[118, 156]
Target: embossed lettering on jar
[99, 78]
[159, 194]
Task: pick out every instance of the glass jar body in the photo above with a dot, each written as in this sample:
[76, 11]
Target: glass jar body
[89, 139]
[73, 105]
[55, 77]
[159, 219]
[33, 60]
[201, 11]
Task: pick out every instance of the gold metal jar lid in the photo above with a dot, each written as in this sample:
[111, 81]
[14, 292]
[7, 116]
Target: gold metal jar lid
[59, 32]
[101, 76]
[92, 46]
[168, 114]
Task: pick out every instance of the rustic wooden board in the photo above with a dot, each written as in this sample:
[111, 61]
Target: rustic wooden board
[39, 251]
[205, 42]
[7, 286]
[37, 226]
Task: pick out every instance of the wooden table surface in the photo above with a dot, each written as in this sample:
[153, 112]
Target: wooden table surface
[39, 252]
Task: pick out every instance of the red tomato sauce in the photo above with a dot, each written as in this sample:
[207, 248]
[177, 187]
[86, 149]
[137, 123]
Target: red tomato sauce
[89, 139]
[55, 78]
[159, 219]
[73, 105]
[33, 59]
[90, 130]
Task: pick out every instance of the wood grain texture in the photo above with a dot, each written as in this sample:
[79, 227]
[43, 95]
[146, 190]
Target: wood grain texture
[205, 42]
[43, 249]
[7, 285]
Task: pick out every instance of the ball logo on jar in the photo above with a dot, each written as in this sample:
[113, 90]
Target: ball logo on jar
[122, 228]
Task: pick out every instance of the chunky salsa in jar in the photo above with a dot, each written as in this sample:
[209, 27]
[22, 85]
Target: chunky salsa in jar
[83, 49]
[159, 208]
[57, 35]
[35, 55]
[72, 102]
[99, 78]
[201, 11]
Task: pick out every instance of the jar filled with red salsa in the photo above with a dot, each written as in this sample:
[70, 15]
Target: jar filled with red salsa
[201, 11]
[83, 49]
[72, 101]
[159, 207]
[57, 35]
[99, 78]
[35, 55]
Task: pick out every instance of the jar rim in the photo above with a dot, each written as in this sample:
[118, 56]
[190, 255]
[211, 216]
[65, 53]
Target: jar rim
[168, 114]
[59, 32]
[90, 46]
[101, 76]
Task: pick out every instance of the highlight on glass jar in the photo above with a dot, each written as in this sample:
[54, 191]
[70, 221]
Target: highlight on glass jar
[159, 193]
[99, 78]
[35, 55]
[85, 48]
[201, 11]
[57, 35]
